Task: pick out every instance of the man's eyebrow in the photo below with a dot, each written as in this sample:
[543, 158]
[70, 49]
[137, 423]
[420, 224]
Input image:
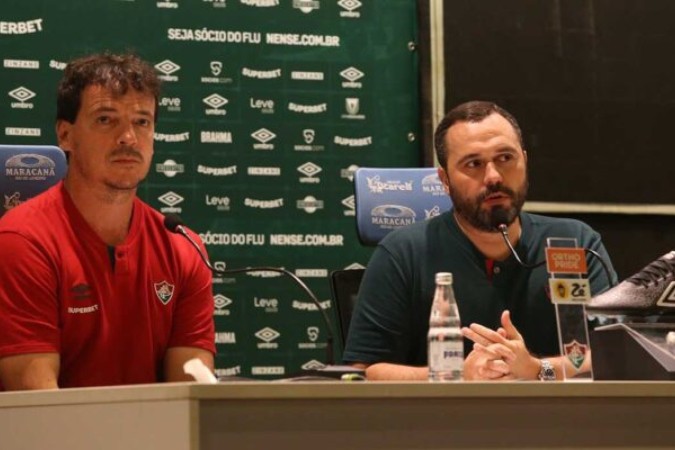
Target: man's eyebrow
[501, 150]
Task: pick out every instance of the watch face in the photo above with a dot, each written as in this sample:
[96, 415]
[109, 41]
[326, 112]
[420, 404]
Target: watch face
[547, 373]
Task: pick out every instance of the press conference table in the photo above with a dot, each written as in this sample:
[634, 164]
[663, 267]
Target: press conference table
[342, 415]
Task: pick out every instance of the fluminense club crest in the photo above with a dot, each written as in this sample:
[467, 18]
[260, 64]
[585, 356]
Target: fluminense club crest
[576, 353]
[164, 291]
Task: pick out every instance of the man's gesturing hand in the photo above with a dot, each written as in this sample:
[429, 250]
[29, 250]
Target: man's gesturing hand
[506, 344]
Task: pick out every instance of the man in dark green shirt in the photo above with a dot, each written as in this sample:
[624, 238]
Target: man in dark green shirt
[484, 172]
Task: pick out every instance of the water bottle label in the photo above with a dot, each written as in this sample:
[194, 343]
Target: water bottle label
[446, 355]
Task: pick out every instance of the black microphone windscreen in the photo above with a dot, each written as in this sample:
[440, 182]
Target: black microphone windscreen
[172, 222]
[500, 216]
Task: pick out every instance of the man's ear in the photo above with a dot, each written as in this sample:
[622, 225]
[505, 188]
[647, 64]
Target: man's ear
[443, 176]
[63, 134]
[525, 156]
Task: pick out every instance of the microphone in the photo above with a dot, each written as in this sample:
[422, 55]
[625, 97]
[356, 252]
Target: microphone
[174, 224]
[499, 220]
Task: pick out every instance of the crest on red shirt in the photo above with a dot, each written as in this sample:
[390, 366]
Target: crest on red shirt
[164, 291]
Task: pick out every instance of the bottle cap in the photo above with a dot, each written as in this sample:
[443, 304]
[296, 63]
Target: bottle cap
[443, 278]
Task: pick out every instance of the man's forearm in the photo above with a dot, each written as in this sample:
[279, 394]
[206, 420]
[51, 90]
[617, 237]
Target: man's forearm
[30, 371]
[387, 371]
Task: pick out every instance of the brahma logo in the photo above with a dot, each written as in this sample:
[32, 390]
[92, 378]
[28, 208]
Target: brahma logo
[167, 68]
[215, 137]
[164, 291]
[216, 102]
[306, 6]
[355, 266]
[21, 94]
[267, 335]
[228, 337]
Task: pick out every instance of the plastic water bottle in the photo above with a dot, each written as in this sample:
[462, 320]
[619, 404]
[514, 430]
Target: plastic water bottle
[445, 341]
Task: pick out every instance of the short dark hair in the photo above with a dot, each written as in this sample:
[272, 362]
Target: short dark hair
[474, 111]
[117, 72]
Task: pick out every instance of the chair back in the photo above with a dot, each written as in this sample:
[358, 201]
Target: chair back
[27, 170]
[344, 286]
[390, 198]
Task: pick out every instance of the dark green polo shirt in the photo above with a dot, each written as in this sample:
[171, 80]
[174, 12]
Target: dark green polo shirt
[391, 317]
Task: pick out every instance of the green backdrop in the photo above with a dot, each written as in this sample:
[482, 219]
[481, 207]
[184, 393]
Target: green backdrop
[268, 107]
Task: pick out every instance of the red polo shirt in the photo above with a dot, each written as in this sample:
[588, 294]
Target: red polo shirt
[111, 324]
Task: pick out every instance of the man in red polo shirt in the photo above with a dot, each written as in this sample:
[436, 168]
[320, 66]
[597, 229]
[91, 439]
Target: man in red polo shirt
[93, 290]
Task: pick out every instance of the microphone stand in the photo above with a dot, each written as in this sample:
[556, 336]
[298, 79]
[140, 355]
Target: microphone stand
[330, 370]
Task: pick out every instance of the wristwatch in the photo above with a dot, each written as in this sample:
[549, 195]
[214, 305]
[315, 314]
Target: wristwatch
[546, 371]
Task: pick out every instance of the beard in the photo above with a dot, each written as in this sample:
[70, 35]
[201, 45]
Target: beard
[471, 210]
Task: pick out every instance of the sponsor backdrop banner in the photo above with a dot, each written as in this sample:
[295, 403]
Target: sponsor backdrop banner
[268, 107]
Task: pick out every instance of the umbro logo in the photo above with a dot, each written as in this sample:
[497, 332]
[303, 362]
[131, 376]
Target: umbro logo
[81, 291]
[309, 169]
[170, 198]
[167, 67]
[215, 101]
[668, 297]
[21, 94]
[263, 135]
[267, 334]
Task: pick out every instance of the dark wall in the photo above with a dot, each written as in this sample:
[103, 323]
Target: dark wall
[591, 81]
